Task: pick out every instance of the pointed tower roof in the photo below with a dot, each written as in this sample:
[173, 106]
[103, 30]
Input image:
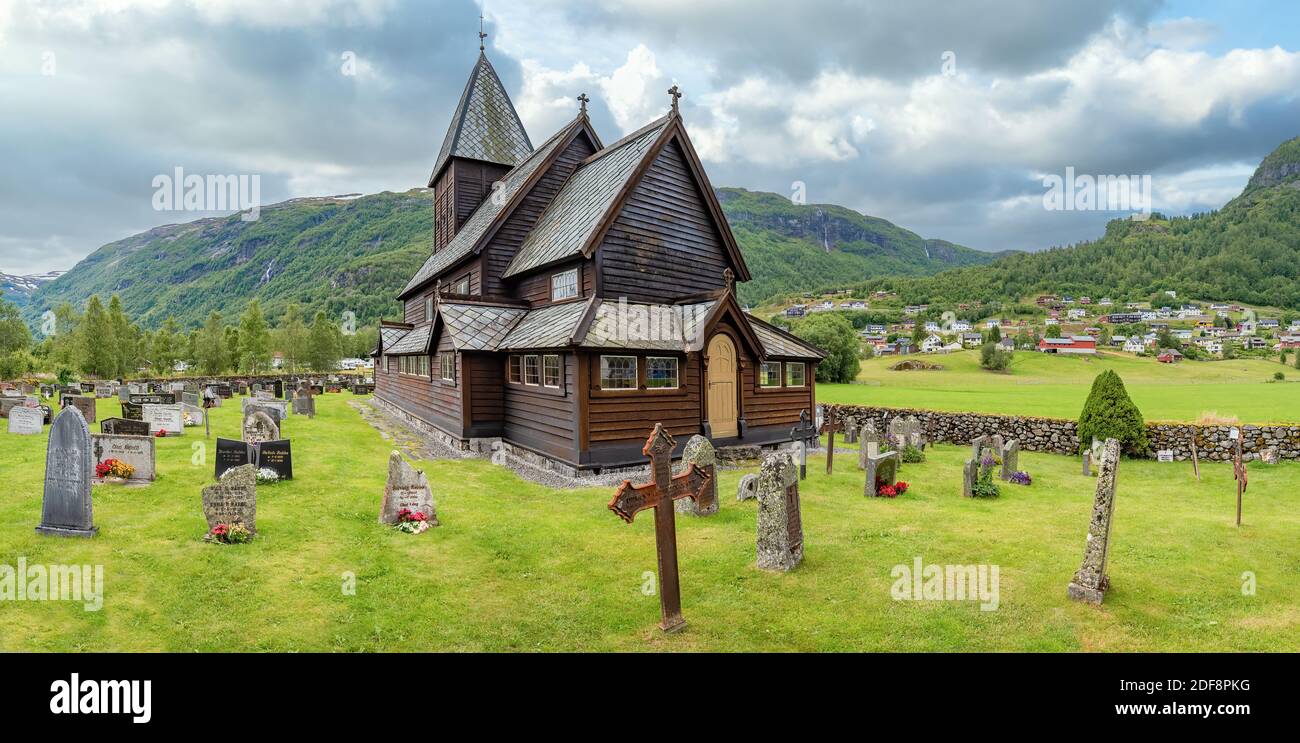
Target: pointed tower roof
[484, 125]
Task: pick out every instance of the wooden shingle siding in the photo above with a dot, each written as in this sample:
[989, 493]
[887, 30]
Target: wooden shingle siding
[503, 246]
[663, 243]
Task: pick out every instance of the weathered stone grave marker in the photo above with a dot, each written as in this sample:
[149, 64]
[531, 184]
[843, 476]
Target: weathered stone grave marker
[699, 453]
[1091, 581]
[407, 488]
[779, 539]
[233, 500]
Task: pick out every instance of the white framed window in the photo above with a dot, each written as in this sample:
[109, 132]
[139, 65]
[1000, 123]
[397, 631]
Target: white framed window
[661, 372]
[532, 371]
[551, 371]
[794, 374]
[769, 374]
[428, 309]
[564, 285]
[618, 372]
[462, 286]
[447, 362]
[516, 369]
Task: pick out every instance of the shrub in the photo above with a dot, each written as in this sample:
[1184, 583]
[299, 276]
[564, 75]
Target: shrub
[836, 336]
[994, 358]
[984, 486]
[912, 455]
[1279, 376]
[1109, 413]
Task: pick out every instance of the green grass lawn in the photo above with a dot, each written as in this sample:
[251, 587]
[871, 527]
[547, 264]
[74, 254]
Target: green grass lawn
[518, 567]
[1056, 386]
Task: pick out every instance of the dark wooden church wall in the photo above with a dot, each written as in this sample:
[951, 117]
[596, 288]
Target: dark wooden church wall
[486, 376]
[663, 244]
[503, 246]
[536, 288]
[620, 419]
[545, 420]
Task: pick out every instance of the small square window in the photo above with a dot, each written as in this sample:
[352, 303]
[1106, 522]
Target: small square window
[769, 374]
[794, 375]
[551, 371]
[532, 371]
[564, 285]
[516, 369]
[661, 372]
[618, 372]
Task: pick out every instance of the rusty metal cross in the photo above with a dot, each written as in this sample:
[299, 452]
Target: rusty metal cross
[806, 434]
[659, 494]
[830, 424]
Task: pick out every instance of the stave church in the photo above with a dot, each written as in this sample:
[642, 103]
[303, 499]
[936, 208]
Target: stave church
[578, 293]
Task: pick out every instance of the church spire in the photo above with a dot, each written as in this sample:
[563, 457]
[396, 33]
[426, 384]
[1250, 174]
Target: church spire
[484, 125]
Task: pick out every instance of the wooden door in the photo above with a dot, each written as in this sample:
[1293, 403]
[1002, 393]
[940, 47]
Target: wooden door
[722, 387]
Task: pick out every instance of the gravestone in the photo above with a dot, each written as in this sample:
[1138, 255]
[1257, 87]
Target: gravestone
[137, 451]
[66, 509]
[779, 541]
[232, 454]
[259, 427]
[192, 415]
[747, 488]
[25, 421]
[133, 411]
[1010, 459]
[233, 500]
[977, 446]
[881, 470]
[85, 405]
[103, 391]
[869, 445]
[277, 387]
[304, 404]
[970, 472]
[276, 456]
[699, 451]
[1087, 464]
[167, 418]
[191, 398]
[406, 488]
[153, 398]
[123, 427]
[124, 393]
[1091, 581]
[1165, 455]
[9, 403]
[851, 431]
[997, 443]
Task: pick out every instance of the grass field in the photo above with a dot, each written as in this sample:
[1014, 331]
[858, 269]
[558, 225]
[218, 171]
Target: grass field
[518, 567]
[1056, 386]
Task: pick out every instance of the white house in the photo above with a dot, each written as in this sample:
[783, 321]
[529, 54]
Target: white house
[1135, 345]
[960, 326]
[931, 344]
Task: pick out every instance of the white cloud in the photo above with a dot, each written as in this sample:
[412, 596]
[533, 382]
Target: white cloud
[632, 91]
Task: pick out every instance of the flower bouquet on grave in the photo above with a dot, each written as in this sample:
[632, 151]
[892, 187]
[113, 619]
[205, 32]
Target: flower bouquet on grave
[114, 471]
[1020, 478]
[235, 533]
[162, 433]
[892, 491]
[984, 486]
[267, 476]
[411, 522]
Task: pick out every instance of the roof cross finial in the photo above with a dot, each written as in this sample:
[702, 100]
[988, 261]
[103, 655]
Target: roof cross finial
[676, 93]
[481, 34]
[582, 101]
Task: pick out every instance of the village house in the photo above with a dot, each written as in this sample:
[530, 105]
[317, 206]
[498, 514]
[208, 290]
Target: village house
[932, 344]
[1076, 344]
[1135, 344]
[577, 294]
[1170, 356]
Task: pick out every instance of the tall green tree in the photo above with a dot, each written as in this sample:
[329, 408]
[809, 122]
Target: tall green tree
[125, 339]
[254, 341]
[98, 355]
[167, 348]
[210, 345]
[835, 335]
[324, 344]
[15, 342]
[292, 338]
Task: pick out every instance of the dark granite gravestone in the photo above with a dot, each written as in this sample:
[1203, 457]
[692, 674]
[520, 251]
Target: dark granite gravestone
[276, 456]
[124, 427]
[779, 542]
[86, 405]
[304, 404]
[233, 500]
[1092, 581]
[361, 389]
[133, 411]
[232, 454]
[225, 391]
[881, 470]
[66, 507]
[277, 387]
[406, 488]
[9, 403]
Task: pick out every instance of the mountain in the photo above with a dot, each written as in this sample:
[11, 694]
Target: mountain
[19, 289]
[344, 253]
[1248, 251]
[796, 248]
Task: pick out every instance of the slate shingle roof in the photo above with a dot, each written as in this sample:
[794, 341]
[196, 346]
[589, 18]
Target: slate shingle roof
[546, 327]
[479, 327]
[577, 209]
[390, 336]
[648, 327]
[486, 214]
[779, 344]
[484, 125]
[416, 341]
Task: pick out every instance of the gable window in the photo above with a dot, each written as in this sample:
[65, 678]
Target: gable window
[794, 374]
[618, 372]
[462, 286]
[532, 371]
[516, 369]
[661, 372]
[448, 363]
[428, 309]
[551, 371]
[564, 285]
[769, 374]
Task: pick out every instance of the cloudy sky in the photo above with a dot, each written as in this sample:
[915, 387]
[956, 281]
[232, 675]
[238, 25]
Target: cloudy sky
[943, 117]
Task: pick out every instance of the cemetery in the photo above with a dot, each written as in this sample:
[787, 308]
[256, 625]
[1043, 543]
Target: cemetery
[1134, 554]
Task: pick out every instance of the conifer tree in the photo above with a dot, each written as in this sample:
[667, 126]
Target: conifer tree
[1109, 413]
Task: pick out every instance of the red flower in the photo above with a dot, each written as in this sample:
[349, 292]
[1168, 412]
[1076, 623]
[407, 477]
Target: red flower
[901, 487]
[161, 433]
